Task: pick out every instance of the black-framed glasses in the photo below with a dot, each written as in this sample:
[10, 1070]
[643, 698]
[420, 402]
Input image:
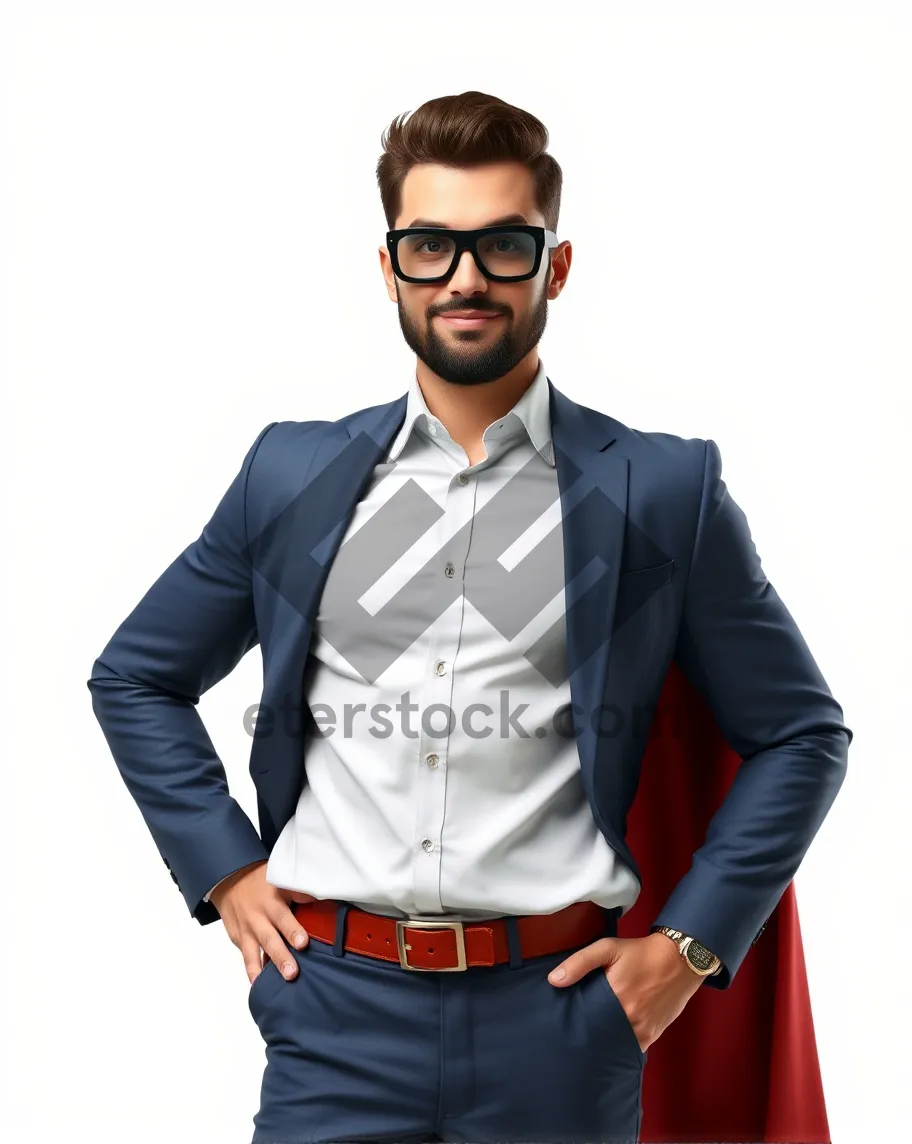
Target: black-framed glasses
[426, 254]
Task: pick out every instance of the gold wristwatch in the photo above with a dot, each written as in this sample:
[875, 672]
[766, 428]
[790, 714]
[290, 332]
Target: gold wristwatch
[697, 956]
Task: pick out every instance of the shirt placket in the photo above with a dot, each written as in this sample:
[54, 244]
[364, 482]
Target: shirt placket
[435, 707]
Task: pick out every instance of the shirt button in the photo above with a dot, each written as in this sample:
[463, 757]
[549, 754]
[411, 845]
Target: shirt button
[463, 479]
[432, 429]
[433, 760]
[427, 845]
[440, 667]
[450, 571]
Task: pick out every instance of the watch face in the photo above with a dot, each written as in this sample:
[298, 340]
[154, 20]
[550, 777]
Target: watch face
[699, 956]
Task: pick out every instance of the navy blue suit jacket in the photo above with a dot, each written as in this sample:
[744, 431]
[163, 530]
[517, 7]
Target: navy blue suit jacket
[659, 566]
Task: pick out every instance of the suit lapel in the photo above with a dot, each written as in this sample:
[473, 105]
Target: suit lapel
[295, 554]
[593, 487]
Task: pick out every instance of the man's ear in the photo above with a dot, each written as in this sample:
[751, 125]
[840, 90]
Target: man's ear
[392, 285]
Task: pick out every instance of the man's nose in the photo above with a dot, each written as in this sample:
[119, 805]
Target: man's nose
[467, 278]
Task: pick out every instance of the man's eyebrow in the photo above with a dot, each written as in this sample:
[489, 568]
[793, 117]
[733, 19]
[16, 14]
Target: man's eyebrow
[503, 221]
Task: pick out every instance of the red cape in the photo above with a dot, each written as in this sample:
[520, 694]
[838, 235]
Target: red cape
[739, 1064]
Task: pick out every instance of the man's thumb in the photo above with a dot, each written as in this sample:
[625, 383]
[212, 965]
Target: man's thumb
[583, 961]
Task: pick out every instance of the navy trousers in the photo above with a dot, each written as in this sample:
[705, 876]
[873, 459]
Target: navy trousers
[363, 1050]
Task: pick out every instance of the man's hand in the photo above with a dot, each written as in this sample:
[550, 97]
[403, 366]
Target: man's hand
[647, 974]
[257, 914]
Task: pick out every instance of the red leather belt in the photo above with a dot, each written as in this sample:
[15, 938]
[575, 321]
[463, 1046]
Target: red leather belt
[445, 946]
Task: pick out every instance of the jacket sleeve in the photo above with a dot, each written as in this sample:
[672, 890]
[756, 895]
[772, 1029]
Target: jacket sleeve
[191, 629]
[741, 649]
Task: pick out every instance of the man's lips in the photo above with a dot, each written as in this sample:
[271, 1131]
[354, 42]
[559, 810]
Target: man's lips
[469, 320]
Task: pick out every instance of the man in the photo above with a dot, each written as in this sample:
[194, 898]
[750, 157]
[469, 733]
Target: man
[437, 892]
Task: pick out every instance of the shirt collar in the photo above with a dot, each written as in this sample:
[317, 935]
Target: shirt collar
[530, 415]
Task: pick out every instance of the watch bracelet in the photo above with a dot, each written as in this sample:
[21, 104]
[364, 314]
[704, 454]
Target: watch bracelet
[661, 929]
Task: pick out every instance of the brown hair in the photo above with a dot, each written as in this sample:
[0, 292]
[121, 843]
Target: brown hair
[467, 130]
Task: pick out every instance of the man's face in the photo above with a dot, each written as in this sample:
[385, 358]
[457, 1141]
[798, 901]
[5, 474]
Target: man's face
[434, 195]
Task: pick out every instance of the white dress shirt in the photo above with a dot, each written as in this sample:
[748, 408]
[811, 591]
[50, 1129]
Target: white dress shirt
[422, 822]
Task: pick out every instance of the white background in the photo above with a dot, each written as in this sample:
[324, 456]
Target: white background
[190, 252]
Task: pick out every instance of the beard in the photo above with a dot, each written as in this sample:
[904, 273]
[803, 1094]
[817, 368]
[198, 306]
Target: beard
[471, 359]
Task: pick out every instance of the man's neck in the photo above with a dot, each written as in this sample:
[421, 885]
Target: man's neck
[467, 410]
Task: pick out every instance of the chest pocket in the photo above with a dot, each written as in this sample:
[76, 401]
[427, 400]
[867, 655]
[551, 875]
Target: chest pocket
[646, 579]
[637, 587]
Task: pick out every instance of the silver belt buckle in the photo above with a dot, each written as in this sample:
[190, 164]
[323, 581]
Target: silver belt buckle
[403, 948]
